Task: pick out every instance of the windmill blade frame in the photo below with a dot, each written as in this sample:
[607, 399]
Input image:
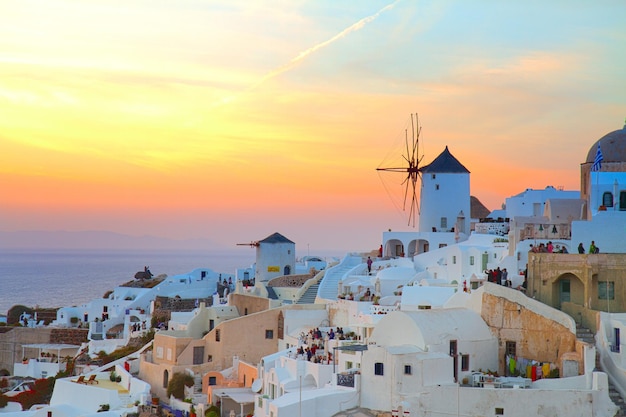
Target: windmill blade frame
[413, 170]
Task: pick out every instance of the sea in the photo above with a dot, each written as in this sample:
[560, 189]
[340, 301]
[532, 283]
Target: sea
[66, 277]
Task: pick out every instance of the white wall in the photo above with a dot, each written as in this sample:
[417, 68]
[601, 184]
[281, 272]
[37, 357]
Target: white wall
[444, 196]
[606, 228]
[445, 401]
[532, 202]
[269, 255]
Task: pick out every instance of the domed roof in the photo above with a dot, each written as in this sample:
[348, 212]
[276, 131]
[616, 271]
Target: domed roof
[613, 146]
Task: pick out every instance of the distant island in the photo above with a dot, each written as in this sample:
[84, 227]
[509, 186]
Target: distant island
[33, 239]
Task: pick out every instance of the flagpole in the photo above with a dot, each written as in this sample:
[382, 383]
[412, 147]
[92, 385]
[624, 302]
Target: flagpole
[597, 164]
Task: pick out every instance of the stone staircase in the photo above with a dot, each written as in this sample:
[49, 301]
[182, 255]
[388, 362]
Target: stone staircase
[330, 282]
[587, 336]
[197, 384]
[309, 295]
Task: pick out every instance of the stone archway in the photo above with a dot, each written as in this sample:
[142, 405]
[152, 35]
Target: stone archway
[568, 288]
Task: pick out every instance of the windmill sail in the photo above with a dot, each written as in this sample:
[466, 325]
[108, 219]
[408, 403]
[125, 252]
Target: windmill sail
[410, 167]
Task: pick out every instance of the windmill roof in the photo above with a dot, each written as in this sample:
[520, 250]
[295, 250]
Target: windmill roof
[445, 163]
[276, 238]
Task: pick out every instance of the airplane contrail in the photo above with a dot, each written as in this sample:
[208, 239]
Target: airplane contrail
[302, 55]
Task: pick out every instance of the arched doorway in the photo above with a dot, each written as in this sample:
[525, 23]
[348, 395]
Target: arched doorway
[166, 378]
[394, 248]
[568, 288]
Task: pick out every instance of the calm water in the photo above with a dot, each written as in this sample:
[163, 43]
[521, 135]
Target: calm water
[57, 278]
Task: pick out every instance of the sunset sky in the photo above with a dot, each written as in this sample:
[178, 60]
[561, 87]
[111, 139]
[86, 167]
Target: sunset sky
[232, 120]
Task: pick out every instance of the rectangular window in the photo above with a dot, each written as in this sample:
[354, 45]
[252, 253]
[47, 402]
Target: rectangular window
[269, 334]
[471, 260]
[465, 362]
[499, 411]
[212, 380]
[606, 290]
[159, 352]
[454, 260]
[510, 349]
[565, 290]
[378, 368]
[198, 355]
[407, 370]
[436, 186]
[217, 335]
[444, 223]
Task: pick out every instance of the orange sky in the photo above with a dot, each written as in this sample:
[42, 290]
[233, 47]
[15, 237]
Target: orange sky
[233, 120]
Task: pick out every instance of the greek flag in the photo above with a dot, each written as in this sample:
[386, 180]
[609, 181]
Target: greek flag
[597, 163]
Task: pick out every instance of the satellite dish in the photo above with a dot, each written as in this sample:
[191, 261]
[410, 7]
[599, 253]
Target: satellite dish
[257, 385]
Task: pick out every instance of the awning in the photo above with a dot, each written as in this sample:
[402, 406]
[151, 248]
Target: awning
[238, 397]
[242, 398]
[50, 346]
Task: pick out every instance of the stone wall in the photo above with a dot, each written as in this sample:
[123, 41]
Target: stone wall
[12, 340]
[549, 275]
[69, 336]
[247, 304]
[536, 337]
[170, 304]
[296, 281]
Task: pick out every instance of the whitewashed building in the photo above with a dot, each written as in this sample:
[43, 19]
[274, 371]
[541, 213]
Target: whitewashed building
[275, 257]
[444, 217]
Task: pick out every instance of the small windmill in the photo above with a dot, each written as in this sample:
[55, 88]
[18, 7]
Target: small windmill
[412, 169]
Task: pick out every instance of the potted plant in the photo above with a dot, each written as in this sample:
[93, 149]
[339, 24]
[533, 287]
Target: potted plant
[192, 411]
[113, 376]
[104, 407]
